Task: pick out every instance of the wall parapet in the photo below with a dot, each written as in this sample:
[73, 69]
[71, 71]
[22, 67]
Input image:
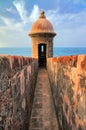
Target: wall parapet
[17, 83]
[67, 76]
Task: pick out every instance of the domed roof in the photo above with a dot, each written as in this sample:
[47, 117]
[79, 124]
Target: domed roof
[42, 25]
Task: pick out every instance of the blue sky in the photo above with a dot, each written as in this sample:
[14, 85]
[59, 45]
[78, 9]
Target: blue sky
[67, 16]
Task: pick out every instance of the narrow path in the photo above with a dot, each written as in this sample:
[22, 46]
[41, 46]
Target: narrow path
[43, 113]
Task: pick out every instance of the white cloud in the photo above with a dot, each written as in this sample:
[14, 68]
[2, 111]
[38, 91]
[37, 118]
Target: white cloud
[70, 27]
[5, 20]
[14, 36]
[35, 13]
[19, 5]
[13, 33]
[11, 10]
[70, 19]
[11, 24]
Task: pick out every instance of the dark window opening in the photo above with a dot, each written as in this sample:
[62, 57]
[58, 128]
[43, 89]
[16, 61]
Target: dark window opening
[42, 55]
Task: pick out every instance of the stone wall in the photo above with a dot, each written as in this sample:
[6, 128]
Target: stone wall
[44, 39]
[17, 84]
[68, 84]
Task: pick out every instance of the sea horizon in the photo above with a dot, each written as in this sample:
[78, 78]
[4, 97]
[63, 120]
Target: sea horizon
[57, 51]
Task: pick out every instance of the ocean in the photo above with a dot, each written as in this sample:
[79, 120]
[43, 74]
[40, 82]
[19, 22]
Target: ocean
[58, 51]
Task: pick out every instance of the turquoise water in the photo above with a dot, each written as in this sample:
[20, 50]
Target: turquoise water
[58, 51]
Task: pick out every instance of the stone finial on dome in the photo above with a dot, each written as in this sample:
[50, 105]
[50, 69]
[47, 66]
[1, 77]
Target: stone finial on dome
[42, 14]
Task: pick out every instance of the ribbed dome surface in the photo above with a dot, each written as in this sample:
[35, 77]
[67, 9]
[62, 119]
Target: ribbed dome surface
[42, 25]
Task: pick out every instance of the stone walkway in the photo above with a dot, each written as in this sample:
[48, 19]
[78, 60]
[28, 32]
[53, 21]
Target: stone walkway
[43, 113]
